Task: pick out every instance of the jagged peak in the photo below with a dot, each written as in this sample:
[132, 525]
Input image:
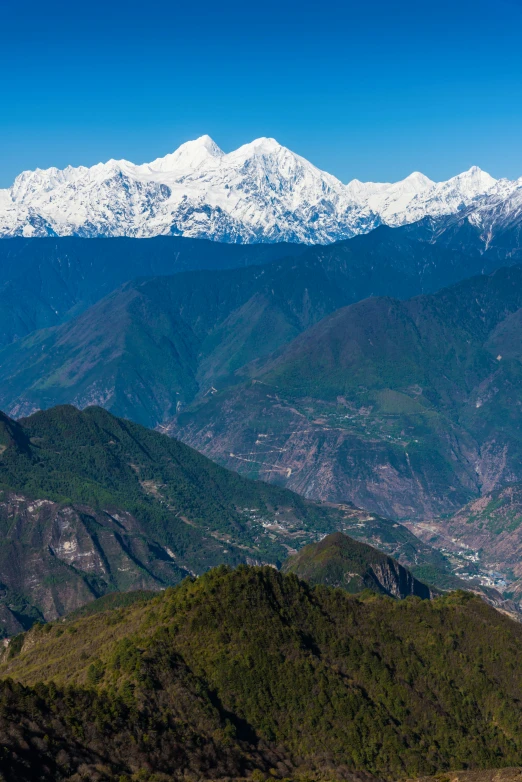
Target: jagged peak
[475, 174]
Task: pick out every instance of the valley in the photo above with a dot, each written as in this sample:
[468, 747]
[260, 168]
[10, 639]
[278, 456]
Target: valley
[298, 371]
[485, 536]
[409, 409]
[92, 505]
[261, 396]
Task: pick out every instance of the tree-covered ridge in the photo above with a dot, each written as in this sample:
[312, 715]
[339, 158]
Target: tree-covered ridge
[95, 458]
[91, 504]
[44, 283]
[340, 561]
[293, 677]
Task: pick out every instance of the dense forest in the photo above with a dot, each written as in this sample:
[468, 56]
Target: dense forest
[248, 670]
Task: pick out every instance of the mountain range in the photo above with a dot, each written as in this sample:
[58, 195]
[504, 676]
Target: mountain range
[317, 368]
[222, 357]
[261, 192]
[175, 338]
[146, 633]
[44, 282]
[407, 408]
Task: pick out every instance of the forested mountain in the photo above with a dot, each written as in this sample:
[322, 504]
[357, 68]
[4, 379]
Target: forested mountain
[409, 409]
[91, 504]
[249, 669]
[156, 344]
[44, 282]
[340, 561]
[400, 407]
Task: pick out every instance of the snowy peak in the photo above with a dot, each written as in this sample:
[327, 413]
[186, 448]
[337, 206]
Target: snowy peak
[260, 192]
[268, 153]
[416, 182]
[187, 157]
[260, 146]
[474, 181]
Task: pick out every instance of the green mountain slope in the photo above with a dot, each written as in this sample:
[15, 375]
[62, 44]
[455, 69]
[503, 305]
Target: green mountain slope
[91, 504]
[251, 669]
[44, 282]
[340, 561]
[153, 345]
[406, 408]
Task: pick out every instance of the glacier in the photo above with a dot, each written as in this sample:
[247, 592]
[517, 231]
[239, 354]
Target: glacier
[261, 192]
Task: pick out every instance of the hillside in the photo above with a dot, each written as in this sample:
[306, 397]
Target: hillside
[214, 679]
[155, 344]
[340, 561]
[407, 408]
[44, 282]
[91, 504]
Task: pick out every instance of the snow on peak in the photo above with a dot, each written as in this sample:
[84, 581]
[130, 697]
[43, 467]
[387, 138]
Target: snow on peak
[185, 158]
[261, 191]
[416, 181]
[474, 179]
[262, 145]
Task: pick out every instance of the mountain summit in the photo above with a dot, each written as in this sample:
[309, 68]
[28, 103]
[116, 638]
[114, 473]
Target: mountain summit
[261, 192]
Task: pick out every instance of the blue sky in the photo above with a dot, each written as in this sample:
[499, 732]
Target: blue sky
[371, 90]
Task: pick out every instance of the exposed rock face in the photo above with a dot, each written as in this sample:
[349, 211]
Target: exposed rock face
[55, 558]
[260, 434]
[92, 504]
[341, 561]
[486, 534]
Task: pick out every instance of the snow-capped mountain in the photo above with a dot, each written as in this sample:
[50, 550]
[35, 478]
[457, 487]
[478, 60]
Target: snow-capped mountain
[261, 192]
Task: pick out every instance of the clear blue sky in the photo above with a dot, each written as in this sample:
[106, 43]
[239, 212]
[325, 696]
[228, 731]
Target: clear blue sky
[371, 90]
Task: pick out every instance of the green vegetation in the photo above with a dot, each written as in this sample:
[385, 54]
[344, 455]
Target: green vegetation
[110, 602]
[103, 505]
[386, 403]
[340, 561]
[252, 669]
[94, 458]
[155, 342]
